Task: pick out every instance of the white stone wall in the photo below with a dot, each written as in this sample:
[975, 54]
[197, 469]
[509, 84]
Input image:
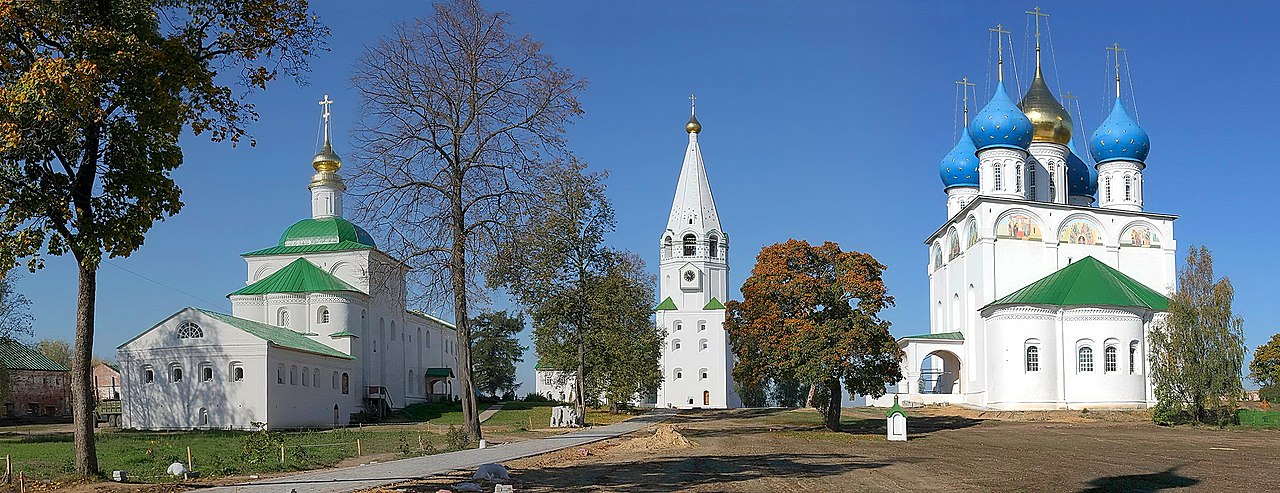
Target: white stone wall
[696, 360]
[302, 390]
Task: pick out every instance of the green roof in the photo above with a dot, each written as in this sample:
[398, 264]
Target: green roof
[300, 276]
[666, 304]
[328, 234]
[438, 372]
[15, 355]
[714, 304]
[896, 409]
[1087, 282]
[343, 334]
[278, 336]
[949, 336]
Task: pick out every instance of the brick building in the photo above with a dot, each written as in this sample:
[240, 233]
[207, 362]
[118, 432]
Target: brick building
[106, 382]
[38, 386]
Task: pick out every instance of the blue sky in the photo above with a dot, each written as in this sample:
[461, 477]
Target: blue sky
[821, 121]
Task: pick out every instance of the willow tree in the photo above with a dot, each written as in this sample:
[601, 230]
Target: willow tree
[1197, 353]
[810, 315]
[94, 96]
[458, 115]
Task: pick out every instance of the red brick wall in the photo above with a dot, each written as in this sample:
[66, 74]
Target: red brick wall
[107, 382]
[48, 390]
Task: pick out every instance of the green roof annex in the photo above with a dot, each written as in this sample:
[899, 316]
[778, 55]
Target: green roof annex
[300, 276]
[278, 336]
[1087, 282]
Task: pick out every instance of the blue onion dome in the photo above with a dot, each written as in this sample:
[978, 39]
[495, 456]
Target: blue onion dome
[1119, 138]
[1000, 124]
[960, 167]
[1082, 179]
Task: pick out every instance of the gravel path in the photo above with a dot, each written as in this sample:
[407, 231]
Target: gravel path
[371, 475]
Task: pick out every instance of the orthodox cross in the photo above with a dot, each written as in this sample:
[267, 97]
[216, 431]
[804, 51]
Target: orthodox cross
[1038, 15]
[325, 115]
[693, 103]
[964, 86]
[1116, 48]
[1000, 32]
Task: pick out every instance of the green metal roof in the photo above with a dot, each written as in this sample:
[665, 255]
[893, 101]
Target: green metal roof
[343, 334]
[438, 372]
[896, 409]
[278, 336]
[1087, 282]
[300, 276]
[666, 304]
[341, 246]
[949, 336]
[325, 230]
[714, 304]
[17, 356]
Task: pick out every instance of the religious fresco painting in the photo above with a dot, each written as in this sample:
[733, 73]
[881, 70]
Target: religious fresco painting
[937, 256]
[1018, 226]
[971, 231]
[953, 244]
[1140, 236]
[1080, 232]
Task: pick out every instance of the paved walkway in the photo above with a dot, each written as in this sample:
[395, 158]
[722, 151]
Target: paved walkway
[381, 474]
[490, 411]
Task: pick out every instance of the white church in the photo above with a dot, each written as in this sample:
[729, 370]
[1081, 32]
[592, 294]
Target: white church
[696, 362]
[1048, 274]
[320, 331]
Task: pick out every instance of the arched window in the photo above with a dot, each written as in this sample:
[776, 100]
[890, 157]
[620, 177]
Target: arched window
[206, 372]
[703, 374]
[1017, 178]
[323, 316]
[998, 174]
[713, 247]
[282, 317]
[189, 330]
[1108, 188]
[1053, 187]
[1031, 182]
[666, 247]
[148, 375]
[237, 373]
[1109, 358]
[393, 330]
[306, 374]
[204, 417]
[690, 245]
[679, 326]
[1133, 357]
[1084, 359]
[675, 344]
[1033, 358]
[293, 375]
[702, 345]
[176, 374]
[280, 374]
[335, 380]
[702, 326]
[677, 374]
[1128, 187]
[346, 383]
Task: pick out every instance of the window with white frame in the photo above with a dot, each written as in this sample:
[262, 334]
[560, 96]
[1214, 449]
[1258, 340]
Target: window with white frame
[677, 374]
[1109, 359]
[1133, 357]
[148, 374]
[323, 316]
[1084, 359]
[675, 344]
[282, 317]
[175, 374]
[280, 374]
[206, 372]
[1033, 358]
[189, 330]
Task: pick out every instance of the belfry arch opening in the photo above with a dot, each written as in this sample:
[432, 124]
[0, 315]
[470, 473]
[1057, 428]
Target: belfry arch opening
[940, 373]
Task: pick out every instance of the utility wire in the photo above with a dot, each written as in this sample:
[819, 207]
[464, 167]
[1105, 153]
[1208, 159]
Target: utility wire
[207, 303]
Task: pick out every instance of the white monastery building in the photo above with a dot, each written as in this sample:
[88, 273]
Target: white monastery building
[693, 277]
[320, 331]
[1048, 274]
[556, 385]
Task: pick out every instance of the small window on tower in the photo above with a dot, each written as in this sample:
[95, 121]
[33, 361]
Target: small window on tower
[690, 245]
[713, 246]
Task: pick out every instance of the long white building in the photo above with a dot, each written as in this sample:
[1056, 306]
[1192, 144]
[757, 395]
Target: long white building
[320, 331]
[697, 363]
[1040, 299]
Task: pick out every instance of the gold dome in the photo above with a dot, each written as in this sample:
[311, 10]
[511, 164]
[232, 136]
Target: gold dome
[693, 126]
[1050, 122]
[326, 160]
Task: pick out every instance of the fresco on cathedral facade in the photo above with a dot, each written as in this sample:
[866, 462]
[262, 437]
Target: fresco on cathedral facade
[971, 232]
[1080, 232]
[1140, 236]
[1018, 226]
[953, 244]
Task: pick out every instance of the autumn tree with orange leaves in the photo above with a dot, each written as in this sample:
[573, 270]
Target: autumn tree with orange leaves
[811, 314]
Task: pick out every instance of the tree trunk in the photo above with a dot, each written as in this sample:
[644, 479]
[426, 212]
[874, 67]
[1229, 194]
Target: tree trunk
[458, 269]
[581, 384]
[813, 392]
[831, 414]
[81, 390]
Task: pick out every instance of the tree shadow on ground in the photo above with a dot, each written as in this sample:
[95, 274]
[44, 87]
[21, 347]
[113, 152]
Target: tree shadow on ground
[679, 473]
[1141, 483]
[917, 427]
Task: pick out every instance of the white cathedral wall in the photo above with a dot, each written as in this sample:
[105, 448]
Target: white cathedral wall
[691, 360]
[1098, 328]
[309, 391]
[1011, 330]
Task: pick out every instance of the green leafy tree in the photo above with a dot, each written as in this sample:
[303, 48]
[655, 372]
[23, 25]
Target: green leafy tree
[810, 314]
[589, 305]
[459, 115]
[57, 350]
[15, 310]
[1197, 352]
[496, 351]
[1265, 368]
[94, 96]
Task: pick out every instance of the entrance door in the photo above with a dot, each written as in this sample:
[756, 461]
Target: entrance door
[335, 415]
[706, 397]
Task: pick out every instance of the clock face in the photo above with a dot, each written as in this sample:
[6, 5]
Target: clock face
[689, 275]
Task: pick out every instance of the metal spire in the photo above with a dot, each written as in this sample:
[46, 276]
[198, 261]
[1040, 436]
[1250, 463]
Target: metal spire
[1000, 32]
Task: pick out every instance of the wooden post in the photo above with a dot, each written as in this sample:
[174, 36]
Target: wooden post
[420, 445]
[8, 469]
[22, 483]
[358, 453]
[282, 453]
[190, 466]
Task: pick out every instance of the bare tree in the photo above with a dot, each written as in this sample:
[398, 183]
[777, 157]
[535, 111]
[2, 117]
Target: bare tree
[458, 115]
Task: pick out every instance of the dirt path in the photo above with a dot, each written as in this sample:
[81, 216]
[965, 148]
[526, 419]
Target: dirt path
[772, 450]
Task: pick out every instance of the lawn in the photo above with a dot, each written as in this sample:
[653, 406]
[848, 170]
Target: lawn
[518, 415]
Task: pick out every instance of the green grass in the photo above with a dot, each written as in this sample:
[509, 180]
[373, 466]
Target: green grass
[146, 456]
[1255, 418]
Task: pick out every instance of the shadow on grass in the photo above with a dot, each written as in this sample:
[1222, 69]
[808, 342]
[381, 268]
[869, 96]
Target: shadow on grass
[917, 427]
[1141, 483]
[679, 473]
[430, 410]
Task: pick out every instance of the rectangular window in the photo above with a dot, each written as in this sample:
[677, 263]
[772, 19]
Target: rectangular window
[1085, 359]
[1033, 358]
[206, 374]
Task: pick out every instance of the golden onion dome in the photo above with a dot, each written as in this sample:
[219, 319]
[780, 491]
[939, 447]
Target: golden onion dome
[1050, 122]
[693, 126]
[326, 160]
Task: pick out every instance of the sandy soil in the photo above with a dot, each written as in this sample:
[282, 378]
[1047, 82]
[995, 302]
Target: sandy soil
[951, 449]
